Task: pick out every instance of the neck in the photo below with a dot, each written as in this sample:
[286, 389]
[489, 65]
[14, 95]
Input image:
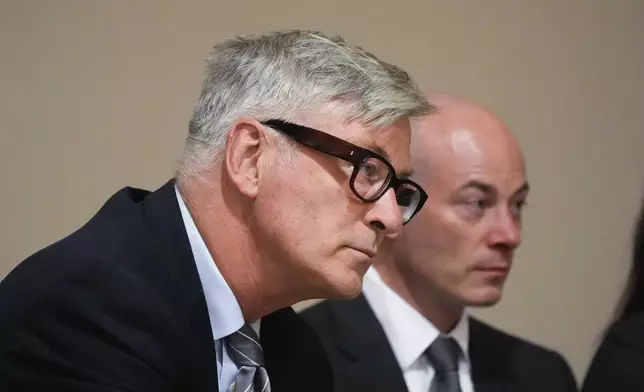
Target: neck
[427, 300]
[222, 221]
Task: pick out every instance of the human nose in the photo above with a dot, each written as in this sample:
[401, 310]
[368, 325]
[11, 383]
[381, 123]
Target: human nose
[385, 215]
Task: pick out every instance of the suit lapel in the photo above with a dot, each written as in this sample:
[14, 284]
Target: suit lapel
[176, 261]
[489, 373]
[365, 349]
[295, 359]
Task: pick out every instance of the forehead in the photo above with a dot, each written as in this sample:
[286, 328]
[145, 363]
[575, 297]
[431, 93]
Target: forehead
[465, 155]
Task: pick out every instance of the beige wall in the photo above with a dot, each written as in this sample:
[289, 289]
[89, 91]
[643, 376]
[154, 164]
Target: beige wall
[95, 95]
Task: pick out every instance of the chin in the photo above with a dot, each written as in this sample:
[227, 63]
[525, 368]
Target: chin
[484, 297]
[345, 286]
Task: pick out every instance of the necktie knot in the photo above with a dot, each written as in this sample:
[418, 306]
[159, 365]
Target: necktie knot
[443, 354]
[244, 349]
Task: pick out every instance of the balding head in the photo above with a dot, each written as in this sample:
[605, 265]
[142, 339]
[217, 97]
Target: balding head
[461, 130]
[459, 248]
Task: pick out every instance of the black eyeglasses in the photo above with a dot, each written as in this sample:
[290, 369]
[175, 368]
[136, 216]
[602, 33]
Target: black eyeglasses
[372, 175]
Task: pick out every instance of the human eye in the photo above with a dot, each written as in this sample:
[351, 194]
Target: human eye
[474, 205]
[476, 201]
[372, 171]
[518, 207]
[368, 169]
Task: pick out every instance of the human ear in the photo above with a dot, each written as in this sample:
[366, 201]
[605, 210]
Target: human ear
[242, 155]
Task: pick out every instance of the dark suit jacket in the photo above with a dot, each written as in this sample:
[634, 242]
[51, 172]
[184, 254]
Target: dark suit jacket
[362, 358]
[118, 306]
[618, 364]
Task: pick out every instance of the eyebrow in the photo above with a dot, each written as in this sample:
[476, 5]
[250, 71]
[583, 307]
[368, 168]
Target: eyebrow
[378, 150]
[481, 186]
[524, 188]
[487, 188]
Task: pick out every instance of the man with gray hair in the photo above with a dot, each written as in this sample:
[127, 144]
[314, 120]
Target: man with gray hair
[294, 171]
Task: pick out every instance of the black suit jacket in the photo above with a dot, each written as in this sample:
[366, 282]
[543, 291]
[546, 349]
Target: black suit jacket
[362, 358]
[118, 306]
[618, 363]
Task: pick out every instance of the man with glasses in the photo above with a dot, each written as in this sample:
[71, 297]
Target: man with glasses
[409, 332]
[294, 171]
[372, 174]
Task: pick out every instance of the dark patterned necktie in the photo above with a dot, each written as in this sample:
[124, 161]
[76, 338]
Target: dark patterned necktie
[443, 355]
[244, 349]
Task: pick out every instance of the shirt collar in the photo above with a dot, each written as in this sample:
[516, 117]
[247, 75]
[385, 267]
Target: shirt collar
[224, 311]
[408, 332]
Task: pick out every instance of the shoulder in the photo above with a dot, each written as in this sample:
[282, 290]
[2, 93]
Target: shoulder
[108, 300]
[504, 341]
[616, 364]
[95, 320]
[100, 248]
[525, 358]
[629, 331]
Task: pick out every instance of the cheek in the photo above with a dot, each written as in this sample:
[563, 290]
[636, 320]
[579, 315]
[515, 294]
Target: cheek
[308, 201]
[441, 236]
[460, 239]
[439, 248]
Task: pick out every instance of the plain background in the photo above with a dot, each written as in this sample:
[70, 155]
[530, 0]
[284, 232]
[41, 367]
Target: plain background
[96, 95]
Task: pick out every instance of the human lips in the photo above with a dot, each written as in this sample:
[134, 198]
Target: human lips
[496, 268]
[367, 251]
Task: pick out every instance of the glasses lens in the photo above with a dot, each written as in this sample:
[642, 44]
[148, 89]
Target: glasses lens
[372, 178]
[408, 197]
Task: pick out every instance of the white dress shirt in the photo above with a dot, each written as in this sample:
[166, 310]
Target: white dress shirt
[410, 334]
[223, 309]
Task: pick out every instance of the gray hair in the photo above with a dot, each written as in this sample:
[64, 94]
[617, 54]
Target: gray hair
[285, 74]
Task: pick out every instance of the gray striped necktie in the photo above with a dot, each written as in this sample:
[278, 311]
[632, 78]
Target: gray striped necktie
[244, 349]
[443, 355]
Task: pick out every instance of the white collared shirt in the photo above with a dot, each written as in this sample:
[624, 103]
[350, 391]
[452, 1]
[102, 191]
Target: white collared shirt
[410, 334]
[223, 309]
